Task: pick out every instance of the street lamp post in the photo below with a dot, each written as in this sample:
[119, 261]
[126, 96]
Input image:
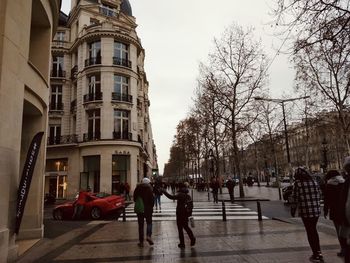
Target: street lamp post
[324, 151]
[282, 102]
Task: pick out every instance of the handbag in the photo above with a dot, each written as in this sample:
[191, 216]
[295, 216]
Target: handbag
[139, 207]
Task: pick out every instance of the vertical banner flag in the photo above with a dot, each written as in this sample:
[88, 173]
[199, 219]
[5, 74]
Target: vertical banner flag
[26, 179]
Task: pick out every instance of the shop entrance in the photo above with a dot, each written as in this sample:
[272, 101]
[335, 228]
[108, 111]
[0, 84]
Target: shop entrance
[120, 169]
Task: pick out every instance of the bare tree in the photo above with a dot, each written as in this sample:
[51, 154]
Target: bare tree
[314, 21]
[324, 68]
[238, 61]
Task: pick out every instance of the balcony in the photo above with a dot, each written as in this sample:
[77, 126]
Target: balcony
[58, 74]
[93, 61]
[122, 136]
[91, 136]
[93, 97]
[121, 62]
[121, 97]
[108, 12]
[74, 72]
[73, 106]
[60, 44]
[56, 107]
[65, 139]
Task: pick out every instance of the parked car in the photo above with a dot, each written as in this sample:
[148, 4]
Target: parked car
[98, 206]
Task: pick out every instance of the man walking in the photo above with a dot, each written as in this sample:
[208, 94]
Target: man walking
[230, 184]
[144, 191]
[306, 197]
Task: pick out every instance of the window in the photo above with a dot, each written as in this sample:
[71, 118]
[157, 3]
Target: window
[94, 84]
[95, 49]
[108, 10]
[94, 124]
[121, 124]
[56, 98]
[121, 88]
[55, 135]
[121, 54]
[56, 165]
[94, 21]
[60, 36]
[57, 66]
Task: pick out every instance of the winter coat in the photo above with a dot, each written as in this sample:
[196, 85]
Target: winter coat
[181, 201]
[332, 198]
[145, 191]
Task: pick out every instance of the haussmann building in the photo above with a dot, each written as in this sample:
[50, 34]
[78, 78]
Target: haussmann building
[99, 129]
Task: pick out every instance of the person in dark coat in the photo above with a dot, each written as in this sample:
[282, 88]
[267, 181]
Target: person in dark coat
[332, 196]
[215, 189]
[145, 191]
[230, 184]
[182, 214]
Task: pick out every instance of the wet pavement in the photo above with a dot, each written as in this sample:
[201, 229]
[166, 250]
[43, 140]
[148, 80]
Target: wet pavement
[238, 240]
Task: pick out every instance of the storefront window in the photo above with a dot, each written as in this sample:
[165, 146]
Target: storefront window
[120, 168]
[57, 165]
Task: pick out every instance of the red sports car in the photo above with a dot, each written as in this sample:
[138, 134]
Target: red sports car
[98, 206]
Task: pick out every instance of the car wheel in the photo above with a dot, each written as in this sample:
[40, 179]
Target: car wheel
[58, 214]
[96, 213]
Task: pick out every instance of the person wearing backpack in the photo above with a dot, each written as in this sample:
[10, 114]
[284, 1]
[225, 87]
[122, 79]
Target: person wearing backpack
[183, 212]
[144, 202]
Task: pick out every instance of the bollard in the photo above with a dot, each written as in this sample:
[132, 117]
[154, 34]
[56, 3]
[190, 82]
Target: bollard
[223, 211]
[259, 211]
[192, 193]
[124, 214]
[208, 196]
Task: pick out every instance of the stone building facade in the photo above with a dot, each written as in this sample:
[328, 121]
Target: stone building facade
[26, 31]
[99, 129]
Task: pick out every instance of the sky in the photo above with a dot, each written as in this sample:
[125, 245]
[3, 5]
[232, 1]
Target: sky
[177, 36]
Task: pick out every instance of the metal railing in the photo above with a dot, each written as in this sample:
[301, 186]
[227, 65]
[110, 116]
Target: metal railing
[58, 74]
[108, 12]
[92, 61]
[91, 136]
[121, 62]
[121, 97]
[56, 107]
[93, 97]
[122, 136]
[64, 139]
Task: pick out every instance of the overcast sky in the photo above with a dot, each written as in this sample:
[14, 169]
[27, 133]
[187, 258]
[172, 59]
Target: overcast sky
[176, 36]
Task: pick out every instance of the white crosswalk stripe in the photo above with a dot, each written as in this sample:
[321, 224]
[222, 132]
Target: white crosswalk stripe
[201, 211]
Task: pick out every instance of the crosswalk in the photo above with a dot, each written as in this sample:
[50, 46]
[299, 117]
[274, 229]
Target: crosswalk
[201, 211]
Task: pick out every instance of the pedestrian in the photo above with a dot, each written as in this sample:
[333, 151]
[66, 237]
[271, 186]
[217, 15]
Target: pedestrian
[230, 184]
[332, 198]
[157, 190]
[127, 191]
[144, 191]
[306, 198]
[79, 204]
[215, 189]
[182, 213]
[344, 231]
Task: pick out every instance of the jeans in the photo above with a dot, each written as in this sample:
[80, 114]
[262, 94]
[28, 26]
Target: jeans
[157, 200]
[182, 223]
[215, 196]
[78, 209]
[342, 240]
[312, 234]
[141, 220]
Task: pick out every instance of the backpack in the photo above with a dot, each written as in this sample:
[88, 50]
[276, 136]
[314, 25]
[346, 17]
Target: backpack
[188, 205]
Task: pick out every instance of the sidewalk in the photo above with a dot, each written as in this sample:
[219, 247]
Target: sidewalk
[217, 241]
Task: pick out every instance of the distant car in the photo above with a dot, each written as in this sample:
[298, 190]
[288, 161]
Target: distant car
[98, 206]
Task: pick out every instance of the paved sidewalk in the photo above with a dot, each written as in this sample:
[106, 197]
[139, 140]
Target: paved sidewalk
[217, 241]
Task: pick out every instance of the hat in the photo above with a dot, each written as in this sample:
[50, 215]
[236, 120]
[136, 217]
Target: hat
[346, 161]
[146, 180]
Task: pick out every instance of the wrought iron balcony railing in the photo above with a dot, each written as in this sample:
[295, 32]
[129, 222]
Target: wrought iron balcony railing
[121, 62]
[93, 97]
[108, 12]
[91, 136]
[121, 97]
[92, 61]
[122, 136]
[58, 74]
[64, 139]
[56, 106]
